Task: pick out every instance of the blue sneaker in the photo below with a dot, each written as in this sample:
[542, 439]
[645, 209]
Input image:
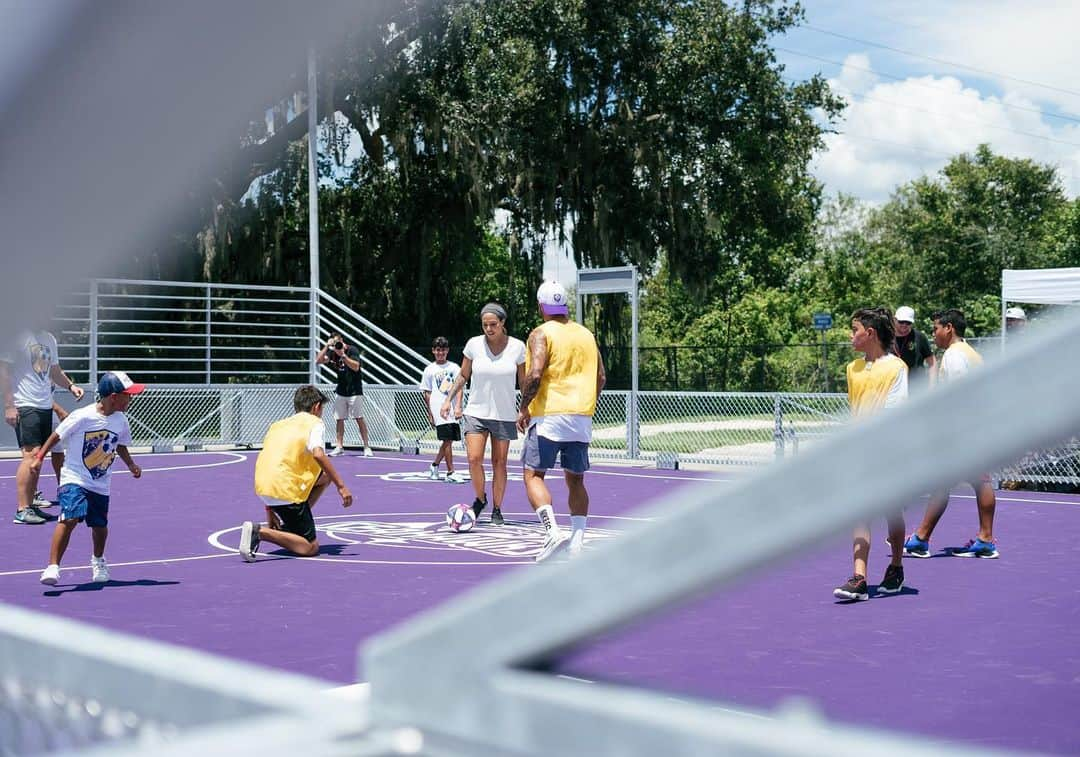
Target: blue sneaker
[987, 550]
[916, 547]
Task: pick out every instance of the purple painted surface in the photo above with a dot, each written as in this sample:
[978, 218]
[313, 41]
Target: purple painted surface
[979, 650]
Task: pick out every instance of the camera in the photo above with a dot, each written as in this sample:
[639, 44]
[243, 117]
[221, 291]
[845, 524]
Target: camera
[339, 345]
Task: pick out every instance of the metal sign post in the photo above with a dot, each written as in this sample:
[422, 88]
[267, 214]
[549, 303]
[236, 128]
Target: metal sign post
[618, 280]
[823, 322]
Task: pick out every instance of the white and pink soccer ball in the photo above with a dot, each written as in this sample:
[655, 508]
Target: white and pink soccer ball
[460, 518]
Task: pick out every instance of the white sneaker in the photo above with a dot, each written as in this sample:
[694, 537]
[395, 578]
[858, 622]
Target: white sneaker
[575, 548]
[433, 473]
[337, 452]
[40, 501]
[249, 540]
[100, 570]
[368, 452]
[554, 544]
[455, 478]
[51, 575]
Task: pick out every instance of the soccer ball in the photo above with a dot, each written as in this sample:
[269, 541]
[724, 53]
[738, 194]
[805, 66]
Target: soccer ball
[460, 518]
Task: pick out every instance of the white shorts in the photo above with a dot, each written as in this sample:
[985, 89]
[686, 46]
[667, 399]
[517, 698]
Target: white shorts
[348, 407]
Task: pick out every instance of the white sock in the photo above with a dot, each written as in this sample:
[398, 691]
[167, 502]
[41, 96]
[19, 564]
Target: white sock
[577, 530]
[547, 519]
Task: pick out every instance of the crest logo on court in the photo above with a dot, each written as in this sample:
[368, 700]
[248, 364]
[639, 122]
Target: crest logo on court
[99, 451]
[513, 541]
[413, 477]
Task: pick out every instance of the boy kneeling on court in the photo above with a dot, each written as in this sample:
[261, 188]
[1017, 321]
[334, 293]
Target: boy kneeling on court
[291, 473]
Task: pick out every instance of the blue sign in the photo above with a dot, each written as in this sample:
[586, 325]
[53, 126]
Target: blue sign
[822, 321]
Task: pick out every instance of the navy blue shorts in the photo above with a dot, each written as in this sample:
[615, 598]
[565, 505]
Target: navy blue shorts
[77, 503]
[539, 453]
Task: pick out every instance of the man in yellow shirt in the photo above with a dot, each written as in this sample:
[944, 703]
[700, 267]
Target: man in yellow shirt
[877, 381]
[564, 374]
[291, 473]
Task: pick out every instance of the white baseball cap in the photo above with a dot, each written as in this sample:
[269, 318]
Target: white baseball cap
[1017, 313]
[552, 298]
[905, 314]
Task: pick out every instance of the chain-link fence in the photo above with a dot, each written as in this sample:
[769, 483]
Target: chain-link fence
[729, 429]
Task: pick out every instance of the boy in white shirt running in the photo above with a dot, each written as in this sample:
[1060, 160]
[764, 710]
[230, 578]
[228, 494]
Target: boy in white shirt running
[93, 437]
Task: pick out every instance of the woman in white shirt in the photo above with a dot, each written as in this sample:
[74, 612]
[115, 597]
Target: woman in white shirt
[495, 364]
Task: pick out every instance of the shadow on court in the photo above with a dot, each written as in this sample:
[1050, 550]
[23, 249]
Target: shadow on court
[92, 586]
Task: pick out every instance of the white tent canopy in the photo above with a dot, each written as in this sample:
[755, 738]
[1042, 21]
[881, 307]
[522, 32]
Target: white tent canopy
[1042, 286]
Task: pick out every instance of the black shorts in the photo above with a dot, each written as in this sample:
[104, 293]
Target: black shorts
[296, 519]
[34, 426]
[448, 432]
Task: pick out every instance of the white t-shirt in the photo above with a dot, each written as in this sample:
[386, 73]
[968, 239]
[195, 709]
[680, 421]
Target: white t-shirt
[957, 362]
[31, 360]
[437, 380]
[90, 440]
[493, 386]
[564, 427]
[315, 440]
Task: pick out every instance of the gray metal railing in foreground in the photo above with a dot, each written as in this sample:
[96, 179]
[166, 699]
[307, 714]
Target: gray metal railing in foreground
[67, 686]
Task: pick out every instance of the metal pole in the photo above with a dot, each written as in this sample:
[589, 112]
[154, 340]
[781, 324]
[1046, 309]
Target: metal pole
[825, 359]
[313, 215]
[209, 316]
[635, 435]
[1003, 308]
[93, 378]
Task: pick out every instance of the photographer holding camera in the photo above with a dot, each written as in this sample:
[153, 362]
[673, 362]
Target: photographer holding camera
[344, 359]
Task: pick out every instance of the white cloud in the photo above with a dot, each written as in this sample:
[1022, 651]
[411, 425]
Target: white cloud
[894, 131]
[1034, 41]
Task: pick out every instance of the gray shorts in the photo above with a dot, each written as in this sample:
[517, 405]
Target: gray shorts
[503, 430]
[540, 453]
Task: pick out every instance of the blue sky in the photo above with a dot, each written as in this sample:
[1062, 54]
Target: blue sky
[957, 74]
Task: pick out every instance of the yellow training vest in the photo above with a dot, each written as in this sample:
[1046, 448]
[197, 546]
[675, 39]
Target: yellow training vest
[568, 386]
[869, 383]
[285, 468]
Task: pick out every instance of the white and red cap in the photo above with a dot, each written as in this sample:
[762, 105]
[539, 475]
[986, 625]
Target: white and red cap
[118, 382]
[552, 298]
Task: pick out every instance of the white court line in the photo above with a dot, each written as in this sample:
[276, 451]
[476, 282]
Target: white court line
[236, 458]
[1000, 498]
[123, 564]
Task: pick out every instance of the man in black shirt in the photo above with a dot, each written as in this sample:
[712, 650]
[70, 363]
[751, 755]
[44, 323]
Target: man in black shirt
[912, 346]
[349, 402]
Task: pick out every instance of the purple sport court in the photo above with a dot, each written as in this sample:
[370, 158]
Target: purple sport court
[983, 652]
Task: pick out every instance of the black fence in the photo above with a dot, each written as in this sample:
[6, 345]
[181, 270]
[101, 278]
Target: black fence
[732, 367]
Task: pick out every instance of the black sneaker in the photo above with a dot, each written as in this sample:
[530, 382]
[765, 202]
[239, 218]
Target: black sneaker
[854, 589]
[496, 516]
[893, 581]
[478, 506]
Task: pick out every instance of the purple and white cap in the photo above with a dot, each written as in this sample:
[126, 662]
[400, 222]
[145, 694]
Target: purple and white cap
[552, 298]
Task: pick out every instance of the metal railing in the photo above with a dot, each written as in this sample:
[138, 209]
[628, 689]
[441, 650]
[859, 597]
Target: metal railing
[182, 333]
